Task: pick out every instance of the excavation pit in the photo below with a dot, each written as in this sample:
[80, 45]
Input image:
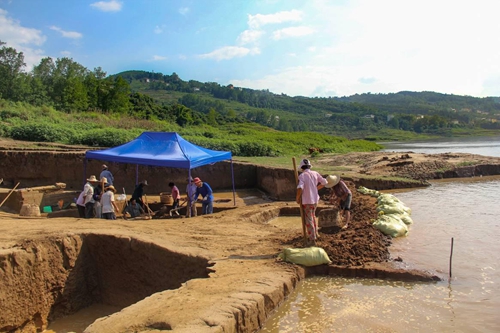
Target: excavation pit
[58, 276]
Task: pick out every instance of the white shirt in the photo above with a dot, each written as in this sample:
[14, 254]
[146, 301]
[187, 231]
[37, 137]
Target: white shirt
[106, 201]
[308, 182]
[88, 191]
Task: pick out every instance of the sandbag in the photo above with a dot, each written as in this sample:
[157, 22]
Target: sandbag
[395, 208]
[364, 190]
[391, 225]
[406, 218]
[311, 256]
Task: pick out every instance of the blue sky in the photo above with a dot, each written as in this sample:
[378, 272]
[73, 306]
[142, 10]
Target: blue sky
[307, 47]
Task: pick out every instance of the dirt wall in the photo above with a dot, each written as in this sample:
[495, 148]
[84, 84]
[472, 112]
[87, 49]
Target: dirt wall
[46, 279]
[34, 168]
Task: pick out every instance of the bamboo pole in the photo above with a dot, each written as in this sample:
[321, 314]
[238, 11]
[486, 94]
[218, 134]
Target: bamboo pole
[147, 206]
[8, 195]
[302, 217]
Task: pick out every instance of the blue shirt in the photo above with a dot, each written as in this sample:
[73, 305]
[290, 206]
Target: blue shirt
[109, 176]
[205, 191]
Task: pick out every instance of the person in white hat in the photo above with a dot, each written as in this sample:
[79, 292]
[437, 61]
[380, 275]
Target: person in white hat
[191, 202]
[341, 195]
[88, 195]
[109, 206]
[307, 195]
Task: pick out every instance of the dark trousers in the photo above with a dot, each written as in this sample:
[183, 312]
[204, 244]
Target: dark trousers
[89, 210]
[81, 211]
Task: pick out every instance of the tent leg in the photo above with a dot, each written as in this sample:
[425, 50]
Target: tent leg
[84, 172]
[137, 174]
[234, 188]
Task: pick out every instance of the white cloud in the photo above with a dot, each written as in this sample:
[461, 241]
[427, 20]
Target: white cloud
[159, 58]
[65, 53]
[107, 6]
[229, 52]
[292, 32]
[22, 39]
[182, 57]
[67, 34]
[14, 34]
[183, 10]
[249, 36]
[258, 20]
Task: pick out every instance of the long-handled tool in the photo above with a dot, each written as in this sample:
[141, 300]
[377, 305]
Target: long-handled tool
[302, 216]
[147, 206]
[8, 195]
[176, 210]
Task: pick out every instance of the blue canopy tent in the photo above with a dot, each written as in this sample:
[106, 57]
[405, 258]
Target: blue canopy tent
[165, 149]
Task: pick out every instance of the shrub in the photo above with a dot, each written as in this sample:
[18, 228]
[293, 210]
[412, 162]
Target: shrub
[44, 132]
[109, 137]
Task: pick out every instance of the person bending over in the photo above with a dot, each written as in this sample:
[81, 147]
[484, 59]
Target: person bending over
[203, 189]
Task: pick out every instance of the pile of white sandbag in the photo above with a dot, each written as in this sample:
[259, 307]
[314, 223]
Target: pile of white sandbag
[393, 215]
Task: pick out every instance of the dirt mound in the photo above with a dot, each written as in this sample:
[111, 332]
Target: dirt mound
[356, 245]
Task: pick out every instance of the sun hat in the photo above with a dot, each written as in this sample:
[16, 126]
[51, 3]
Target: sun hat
[144, 182]
[197, 180]
[305, 162]
[92, 179]
[104, 179]
[104, 166]
[112, 188]
[332, 180]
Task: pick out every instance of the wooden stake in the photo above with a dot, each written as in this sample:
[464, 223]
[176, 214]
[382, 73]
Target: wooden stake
[8, 195]
[451, 254]
[302, 216]
[147, 206]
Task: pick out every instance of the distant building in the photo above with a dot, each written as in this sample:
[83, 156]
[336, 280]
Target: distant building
[369, 116]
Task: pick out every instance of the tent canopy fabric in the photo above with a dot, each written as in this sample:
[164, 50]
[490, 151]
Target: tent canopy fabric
[167, 149]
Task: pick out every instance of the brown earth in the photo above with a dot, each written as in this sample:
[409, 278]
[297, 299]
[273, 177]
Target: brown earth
[216, 273]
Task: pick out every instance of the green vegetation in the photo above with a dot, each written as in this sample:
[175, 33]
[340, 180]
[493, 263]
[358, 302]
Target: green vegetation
[62, 101]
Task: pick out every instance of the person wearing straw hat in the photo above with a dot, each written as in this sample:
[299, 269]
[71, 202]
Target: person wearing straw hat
[88, 195]
[307, 195]
[341, 195]
[203, 189]
[109, 206]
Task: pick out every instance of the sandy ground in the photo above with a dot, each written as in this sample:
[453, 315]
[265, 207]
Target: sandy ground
[247, 281]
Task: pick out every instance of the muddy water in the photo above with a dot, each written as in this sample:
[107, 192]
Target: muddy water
[466, 210]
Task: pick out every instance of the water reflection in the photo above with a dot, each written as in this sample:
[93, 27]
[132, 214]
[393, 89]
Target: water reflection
[466, 210]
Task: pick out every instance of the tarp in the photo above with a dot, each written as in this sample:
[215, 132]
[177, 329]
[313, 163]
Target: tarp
[167, 149]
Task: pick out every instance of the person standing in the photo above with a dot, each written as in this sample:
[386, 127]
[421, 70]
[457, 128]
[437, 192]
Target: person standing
[107, 174]
[176, 195]
[108, 203]
[203, 189]
[191, 200]
[342, 196]
[88, 194]
[80, 204]
[308, 197]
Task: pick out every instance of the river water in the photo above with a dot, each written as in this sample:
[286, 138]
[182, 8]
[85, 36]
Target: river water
[466, 210]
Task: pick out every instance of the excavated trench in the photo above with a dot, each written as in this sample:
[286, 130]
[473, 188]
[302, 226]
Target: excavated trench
[52, 278]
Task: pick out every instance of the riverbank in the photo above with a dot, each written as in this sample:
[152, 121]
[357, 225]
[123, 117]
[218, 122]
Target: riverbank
[216, 273]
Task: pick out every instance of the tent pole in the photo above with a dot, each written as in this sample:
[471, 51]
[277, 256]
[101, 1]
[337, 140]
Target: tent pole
[84, 171]
[232, 177]
[136, 174]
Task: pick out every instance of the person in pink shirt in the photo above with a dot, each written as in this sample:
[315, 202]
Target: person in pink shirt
[176, 195]
[307, 195]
